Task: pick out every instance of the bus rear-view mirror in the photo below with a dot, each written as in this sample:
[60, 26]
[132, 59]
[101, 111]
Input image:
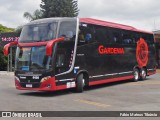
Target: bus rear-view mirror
[7, 46]
[50, 44]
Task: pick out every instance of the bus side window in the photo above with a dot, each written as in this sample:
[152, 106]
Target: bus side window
[100, 34]
[115, 36]
[86, 34]
[137, 37]
[128, 37]
[67, 30]
[81, 34]
[148, 38]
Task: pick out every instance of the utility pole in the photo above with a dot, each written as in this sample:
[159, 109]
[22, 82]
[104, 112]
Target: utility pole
[8, 63]
[11, 59]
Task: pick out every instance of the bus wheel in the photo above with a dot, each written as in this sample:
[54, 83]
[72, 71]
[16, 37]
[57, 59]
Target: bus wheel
[143, 74]
[136, 75]
[80, 83]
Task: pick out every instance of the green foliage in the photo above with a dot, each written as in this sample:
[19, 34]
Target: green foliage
[5, 29]
[59, 8]
[36, 15]
[3, 60]
[54, 8]
[18, 30]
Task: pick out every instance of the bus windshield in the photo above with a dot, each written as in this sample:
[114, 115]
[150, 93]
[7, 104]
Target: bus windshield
[32, 59]
[39, 32]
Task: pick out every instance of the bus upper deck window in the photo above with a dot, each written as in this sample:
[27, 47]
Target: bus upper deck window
[67, 30]
[52, 31]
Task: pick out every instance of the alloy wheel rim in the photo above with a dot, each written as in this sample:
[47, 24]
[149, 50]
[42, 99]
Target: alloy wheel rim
[136, 75]
[83, 81]
[143, 73]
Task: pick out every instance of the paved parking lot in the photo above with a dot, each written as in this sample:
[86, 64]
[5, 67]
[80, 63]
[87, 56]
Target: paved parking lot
[120, 96]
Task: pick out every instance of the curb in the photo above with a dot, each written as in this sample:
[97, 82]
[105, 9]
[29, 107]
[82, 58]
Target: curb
[158, 70]
[6, 73]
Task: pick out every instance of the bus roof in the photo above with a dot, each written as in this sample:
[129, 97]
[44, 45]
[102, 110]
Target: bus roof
[47, 20]
[91, 21]
[111, 24]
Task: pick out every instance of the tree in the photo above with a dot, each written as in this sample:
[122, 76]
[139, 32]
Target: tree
[59, 8]
[19, 30]
[6, 29]
[37, 14]
[3, 60]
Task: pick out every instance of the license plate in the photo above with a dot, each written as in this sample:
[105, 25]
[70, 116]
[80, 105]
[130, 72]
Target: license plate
[29, 85]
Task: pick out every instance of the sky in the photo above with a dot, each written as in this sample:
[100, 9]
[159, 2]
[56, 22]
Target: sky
[142, 14]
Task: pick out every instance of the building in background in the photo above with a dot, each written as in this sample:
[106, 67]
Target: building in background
[157, 45]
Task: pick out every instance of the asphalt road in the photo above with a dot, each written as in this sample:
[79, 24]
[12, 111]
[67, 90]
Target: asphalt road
[120, 96]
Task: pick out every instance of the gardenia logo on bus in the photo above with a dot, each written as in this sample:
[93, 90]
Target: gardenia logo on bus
[103, 50]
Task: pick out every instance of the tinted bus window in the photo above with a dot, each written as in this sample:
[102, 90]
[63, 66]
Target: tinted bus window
[128, 37]
[137, 37]
[102, 34]
[148, 38]
[67, 29]
[86, 34]
[115, 36]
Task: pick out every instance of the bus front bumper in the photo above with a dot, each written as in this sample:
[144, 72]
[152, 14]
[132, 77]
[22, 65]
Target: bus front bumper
[48, 85]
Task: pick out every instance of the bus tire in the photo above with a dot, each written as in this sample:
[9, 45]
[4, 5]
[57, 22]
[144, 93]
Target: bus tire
[80, 83]
[136, 75]
[143, 74]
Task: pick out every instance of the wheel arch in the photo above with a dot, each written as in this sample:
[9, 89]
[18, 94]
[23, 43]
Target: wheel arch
[140, 69]
[137, 67]
[86, 76]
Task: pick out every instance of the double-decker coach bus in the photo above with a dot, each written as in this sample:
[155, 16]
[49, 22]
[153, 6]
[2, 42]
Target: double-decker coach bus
[61, 53]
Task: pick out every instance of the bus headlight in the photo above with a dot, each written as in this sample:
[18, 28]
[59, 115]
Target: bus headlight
[45, 78]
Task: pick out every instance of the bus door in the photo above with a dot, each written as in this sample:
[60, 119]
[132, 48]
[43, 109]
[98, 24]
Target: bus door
[64, 57]
[65, 49]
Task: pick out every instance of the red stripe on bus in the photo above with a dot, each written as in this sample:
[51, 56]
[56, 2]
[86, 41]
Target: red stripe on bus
[151, 73]
[110, 80]
[61, 87]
